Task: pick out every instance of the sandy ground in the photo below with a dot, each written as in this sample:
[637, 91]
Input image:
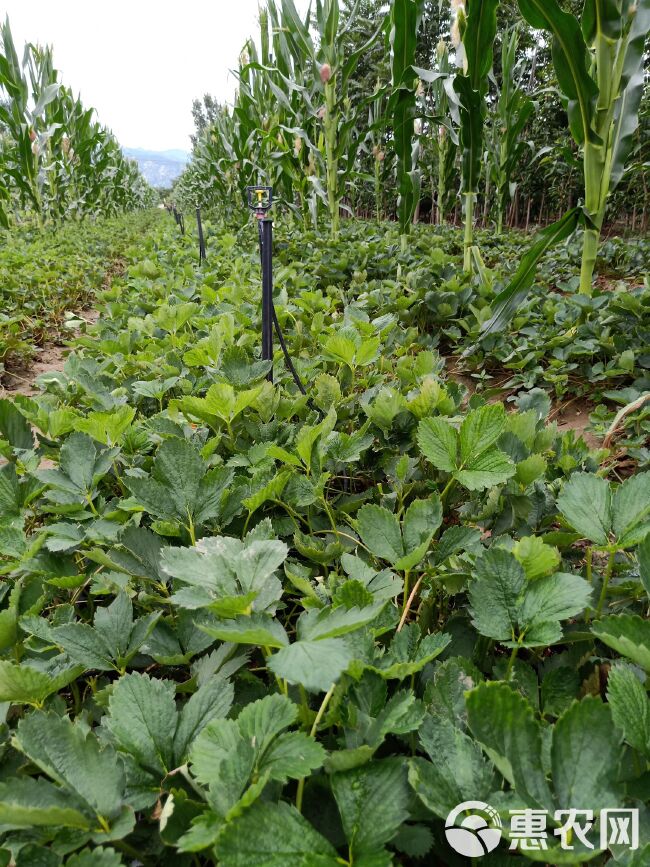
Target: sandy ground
[569, 415]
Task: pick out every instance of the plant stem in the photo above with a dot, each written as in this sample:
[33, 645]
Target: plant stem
[291, 512]
[589, 576]
[606, 578]
[470, 199]
[406, 590]
[331, 129]
[281, 683]
[190, 529]
[442, 192]
[319, 716]
[511, 662]
[304, 701]
[409, 601]
[378, 208]
[447, 488]
[589, 253]
[329, 514]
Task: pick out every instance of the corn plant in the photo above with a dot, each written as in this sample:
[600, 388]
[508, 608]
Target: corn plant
[404, 21]
[599, 62]
[4, 193]
[24, 115]
[298, 140]
[444, 101]
[513, 110]
[447, 144]
[341, 119]
[58, 160]
[477, 25]
[375, 144]
[293, 124]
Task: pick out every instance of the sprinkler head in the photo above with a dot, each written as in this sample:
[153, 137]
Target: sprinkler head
[260, 199]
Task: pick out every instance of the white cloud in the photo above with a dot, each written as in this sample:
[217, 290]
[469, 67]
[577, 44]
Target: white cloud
[140, 63]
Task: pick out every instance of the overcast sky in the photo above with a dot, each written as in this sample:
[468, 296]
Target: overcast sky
[140, 63]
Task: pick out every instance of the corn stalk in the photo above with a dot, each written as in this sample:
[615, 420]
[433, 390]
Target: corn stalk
[513, 111]
[445, 103]
[404, 22]
[478, 32]
[342, 119]
[599, 65]
[443, 125]
[375, 145]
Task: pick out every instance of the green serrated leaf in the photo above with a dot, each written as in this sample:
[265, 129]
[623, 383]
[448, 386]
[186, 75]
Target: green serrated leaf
[628, 702]
[273, 835]
[585, 501]
[316, 665]
[23, 684]
[586, 730]
[627, 634]
[504, 723]
[72, 756]
[457, 770]
[373, 803]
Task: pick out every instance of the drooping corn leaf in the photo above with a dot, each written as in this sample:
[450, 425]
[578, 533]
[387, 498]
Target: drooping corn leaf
[508, 300]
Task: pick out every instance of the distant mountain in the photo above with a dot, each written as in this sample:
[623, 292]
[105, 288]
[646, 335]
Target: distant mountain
[160, 168]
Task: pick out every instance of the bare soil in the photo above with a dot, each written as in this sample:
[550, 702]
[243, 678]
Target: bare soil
[51, 356]
[574, 415]
[21, 380]
[569, 415]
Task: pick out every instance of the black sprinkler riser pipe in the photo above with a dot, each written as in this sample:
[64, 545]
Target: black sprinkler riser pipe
[269, 316]
[266, 256]
[199, 225]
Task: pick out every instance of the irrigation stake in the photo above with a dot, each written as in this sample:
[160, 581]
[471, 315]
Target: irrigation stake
[199, 225]
[260, 200]
[180, 221]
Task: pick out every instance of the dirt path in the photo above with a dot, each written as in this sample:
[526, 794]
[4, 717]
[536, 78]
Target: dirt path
[49, 358]
[21, 380]
[569, 415]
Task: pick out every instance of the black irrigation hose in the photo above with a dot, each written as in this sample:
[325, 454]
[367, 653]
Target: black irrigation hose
[278, 331]
[292, 369]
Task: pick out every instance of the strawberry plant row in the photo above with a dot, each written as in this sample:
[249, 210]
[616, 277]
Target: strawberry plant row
[239, 630]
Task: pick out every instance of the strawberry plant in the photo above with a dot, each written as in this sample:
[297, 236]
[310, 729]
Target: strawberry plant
[398, 616]
[237, 627]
